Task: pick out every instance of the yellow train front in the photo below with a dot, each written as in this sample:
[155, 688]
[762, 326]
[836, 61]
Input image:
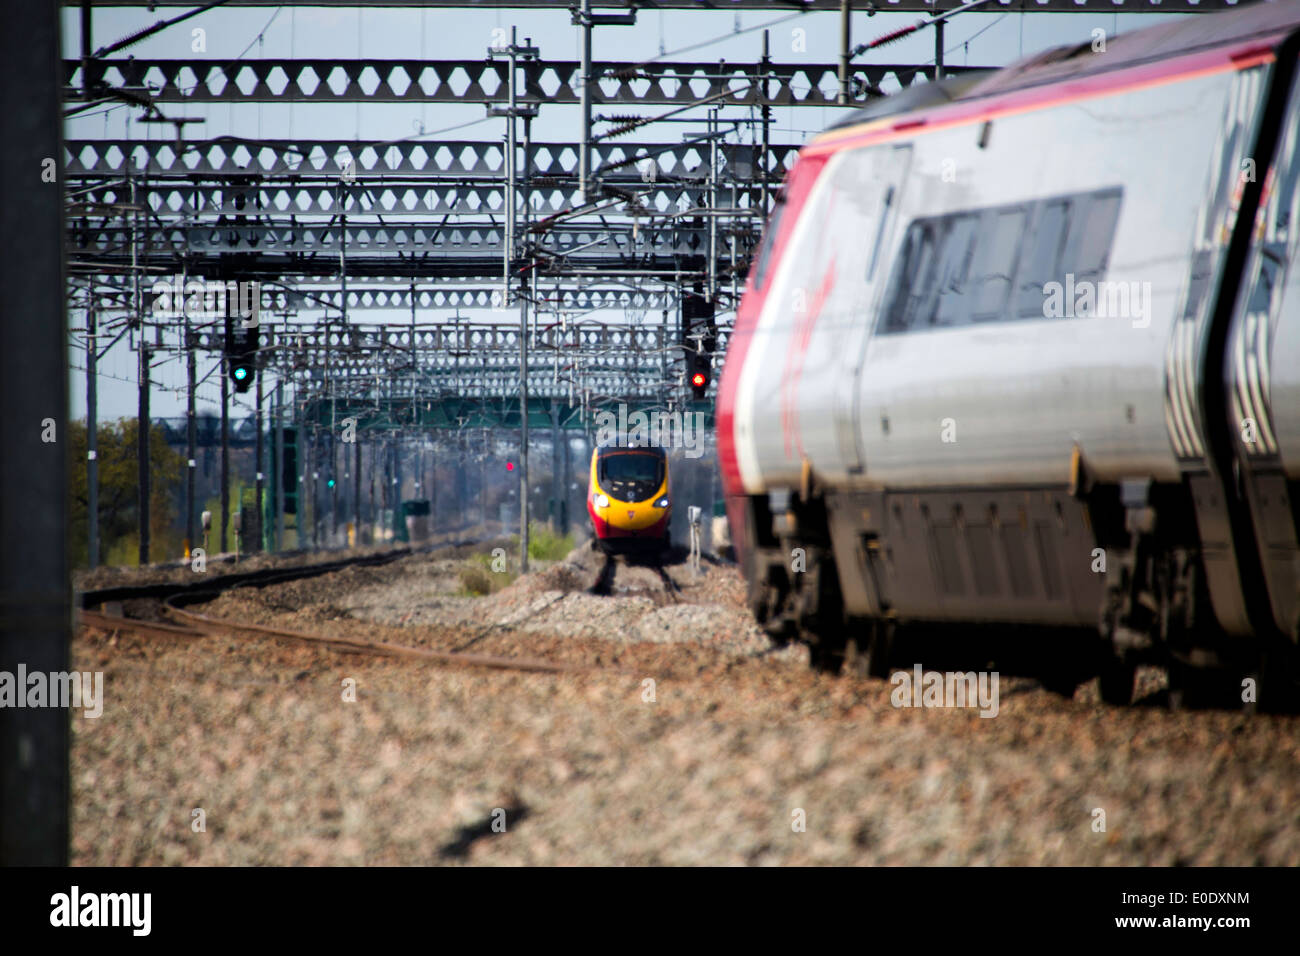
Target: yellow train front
[627, 498]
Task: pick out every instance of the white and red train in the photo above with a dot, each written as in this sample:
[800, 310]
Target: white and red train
[1022, 350]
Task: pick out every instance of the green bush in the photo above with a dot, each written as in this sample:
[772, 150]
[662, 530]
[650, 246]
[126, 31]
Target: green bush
[475, 581]
[546, 544]
[477, 578]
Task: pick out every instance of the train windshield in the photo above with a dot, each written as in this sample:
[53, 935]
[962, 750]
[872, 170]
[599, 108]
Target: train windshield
[631, 476]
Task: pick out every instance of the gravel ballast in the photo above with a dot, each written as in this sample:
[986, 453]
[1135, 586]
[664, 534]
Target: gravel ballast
[688, 738]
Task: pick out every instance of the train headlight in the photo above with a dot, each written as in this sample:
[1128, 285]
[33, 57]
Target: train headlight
[601, 501]
[662, 502]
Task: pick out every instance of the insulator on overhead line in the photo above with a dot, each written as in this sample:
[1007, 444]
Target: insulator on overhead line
[625, 128]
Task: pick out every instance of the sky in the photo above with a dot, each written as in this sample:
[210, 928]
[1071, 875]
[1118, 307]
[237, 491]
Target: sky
[974, 38]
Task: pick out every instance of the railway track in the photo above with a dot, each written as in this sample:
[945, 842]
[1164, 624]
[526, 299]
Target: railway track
[603, 586]
[207, 624]
[671, 586]
[178, 601]
[96, 597]
[225, 582]
[176, 598]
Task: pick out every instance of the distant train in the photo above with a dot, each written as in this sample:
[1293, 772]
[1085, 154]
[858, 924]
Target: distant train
[628, 499]
[1020, 353]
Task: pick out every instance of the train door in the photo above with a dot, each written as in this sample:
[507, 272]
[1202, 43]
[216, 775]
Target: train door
[1262, 371]
[877, 177]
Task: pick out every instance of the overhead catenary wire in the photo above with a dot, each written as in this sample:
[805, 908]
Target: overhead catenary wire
[895, 35]
[137, 36]
[134, 38]
[302, 158]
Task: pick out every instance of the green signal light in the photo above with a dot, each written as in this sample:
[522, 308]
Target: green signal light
[240, 373]
[331, 482]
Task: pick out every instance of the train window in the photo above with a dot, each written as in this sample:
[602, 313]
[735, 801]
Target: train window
[1096, 230]
[963, 266]
[632, 467]
[916, 263]
[1287, 190]
[1226, 180]
[1199, 286]
[994, 265]
[1044, 257]
[953, 301]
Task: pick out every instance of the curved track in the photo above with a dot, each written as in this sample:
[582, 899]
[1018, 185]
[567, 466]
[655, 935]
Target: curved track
[176, 596]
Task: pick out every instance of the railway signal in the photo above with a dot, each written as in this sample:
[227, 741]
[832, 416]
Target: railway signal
[241, 354]
[699, 337]
[699, 366]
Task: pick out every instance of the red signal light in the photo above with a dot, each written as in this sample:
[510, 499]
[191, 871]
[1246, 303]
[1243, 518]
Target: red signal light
[510, 466]
[698, 379]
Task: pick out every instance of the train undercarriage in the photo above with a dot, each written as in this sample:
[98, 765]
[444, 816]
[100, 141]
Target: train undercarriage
[1061, 584]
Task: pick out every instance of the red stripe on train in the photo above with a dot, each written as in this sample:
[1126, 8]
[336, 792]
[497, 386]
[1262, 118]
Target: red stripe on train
[799, 182]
